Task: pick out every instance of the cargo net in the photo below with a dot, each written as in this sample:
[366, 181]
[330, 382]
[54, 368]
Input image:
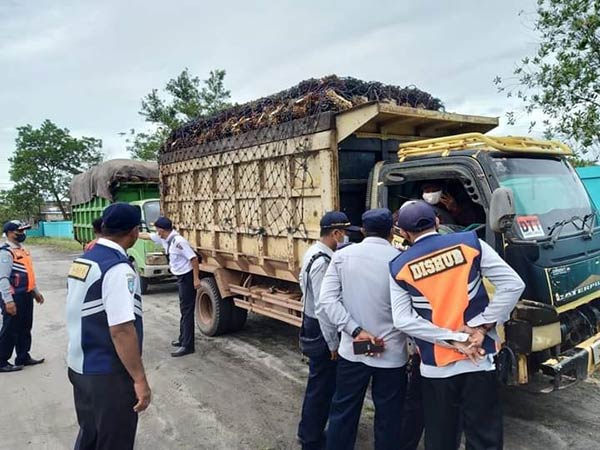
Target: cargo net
[270, 197]
[310, 97]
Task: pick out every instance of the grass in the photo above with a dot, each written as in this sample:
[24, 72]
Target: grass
[67, 245]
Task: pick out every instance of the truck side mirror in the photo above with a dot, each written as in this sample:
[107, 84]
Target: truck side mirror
[502, 210]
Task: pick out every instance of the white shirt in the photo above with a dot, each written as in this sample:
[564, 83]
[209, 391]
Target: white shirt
[355, 292]
[311, 296]
[179, 250]
[119, 301]
[509, 288]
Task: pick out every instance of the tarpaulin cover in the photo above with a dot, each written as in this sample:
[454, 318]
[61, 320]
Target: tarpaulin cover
[100, 180]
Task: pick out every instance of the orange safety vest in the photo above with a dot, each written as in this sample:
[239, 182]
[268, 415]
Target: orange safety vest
[442, 275]
[22, 277]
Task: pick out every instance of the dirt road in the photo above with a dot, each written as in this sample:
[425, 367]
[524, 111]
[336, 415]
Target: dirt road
[241, 391]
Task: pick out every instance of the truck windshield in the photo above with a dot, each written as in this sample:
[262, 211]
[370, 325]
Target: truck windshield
[549, 196]
[151, 213]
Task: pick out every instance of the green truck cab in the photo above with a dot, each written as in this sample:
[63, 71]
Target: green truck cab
[535, 211]
[121, 180]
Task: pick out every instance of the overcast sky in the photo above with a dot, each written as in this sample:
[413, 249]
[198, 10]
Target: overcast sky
[86, 65]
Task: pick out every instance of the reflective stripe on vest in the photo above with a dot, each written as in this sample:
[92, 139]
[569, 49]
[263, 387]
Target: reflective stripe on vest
[22, 277]
[442, 274]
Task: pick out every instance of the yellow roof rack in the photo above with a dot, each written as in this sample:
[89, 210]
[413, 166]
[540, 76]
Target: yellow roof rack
[478, 141]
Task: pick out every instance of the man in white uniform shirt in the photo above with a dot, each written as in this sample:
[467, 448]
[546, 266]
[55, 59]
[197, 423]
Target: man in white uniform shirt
[355, 297]
[184, 264]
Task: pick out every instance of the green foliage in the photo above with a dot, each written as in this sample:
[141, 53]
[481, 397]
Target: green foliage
[562, 78]
[187, 100]
[16, 204]
[45, 161]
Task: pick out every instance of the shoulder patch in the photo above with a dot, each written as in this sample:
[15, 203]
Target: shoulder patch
[179, 246]
[131, 283]
[79, 270]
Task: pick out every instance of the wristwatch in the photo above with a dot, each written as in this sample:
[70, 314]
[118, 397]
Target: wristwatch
[356, 331]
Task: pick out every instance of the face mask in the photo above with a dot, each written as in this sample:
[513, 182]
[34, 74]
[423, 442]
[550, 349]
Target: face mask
[433, 198]
[345, 240]
[21, 237]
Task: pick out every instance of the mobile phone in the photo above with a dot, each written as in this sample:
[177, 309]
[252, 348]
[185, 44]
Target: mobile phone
[364, 347]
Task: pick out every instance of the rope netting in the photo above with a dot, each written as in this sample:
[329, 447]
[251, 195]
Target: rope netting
[259, 166]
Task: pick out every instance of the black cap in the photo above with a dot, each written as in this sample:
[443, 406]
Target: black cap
[377, 220]
[416, 216]
[337, 219]
[164, 223]
[15, 225]
[121, 217]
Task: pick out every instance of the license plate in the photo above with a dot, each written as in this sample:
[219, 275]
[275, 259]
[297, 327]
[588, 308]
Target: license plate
[596, 352]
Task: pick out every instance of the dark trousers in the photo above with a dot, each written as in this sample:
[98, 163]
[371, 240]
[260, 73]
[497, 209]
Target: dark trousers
[474, 396]
[104, 406]
[15, 333]
[387, 390]
[187, 306]
[317, 401]
[412, 418]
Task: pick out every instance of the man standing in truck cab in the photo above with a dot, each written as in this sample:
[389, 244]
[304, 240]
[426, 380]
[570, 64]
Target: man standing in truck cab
[18, 290]
[184, 264]
[319, 339]
[438, 297]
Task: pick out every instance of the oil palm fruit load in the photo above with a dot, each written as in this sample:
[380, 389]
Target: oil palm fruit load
[310, 98]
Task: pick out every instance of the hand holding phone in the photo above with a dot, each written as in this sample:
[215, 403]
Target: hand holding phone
[367, 344]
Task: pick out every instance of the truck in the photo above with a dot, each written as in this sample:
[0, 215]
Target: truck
[250, 204]
[122, 180]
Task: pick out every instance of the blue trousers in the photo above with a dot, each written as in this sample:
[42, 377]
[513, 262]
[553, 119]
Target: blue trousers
[15, 334]
[387, 390]
[317, 400]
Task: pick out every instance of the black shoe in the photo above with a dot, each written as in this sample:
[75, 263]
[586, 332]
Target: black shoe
[33, 362]
[181, 351]
[176, 343]
[10, 368]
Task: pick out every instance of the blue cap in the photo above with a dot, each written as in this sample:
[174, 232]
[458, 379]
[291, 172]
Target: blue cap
[337, 219]
[164, 223]
[416, 216]
[377, 220]
[15, 225]
[121, 217]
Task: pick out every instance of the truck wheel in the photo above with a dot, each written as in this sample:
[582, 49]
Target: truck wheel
[238, 317]
[143, 285]
[213, 314]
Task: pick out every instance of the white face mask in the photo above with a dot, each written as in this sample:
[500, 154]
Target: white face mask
[433, 198]
[346, 239]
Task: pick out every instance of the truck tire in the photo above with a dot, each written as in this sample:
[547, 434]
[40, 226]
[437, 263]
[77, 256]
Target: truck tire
[238, 317]
[213, 314]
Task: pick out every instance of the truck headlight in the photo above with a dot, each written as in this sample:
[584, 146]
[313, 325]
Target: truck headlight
[156, 259]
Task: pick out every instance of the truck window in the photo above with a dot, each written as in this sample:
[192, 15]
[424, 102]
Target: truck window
[151, 213]
[546, 190]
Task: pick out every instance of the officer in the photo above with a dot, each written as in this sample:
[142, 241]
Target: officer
[319, 339]
[355, 297]
[104, 323]
[184, 264]
[17, 289]
[97, 226]
[438, 297]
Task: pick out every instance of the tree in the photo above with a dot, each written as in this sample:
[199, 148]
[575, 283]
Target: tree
[187, 100]
[17, 205]
[562, 78]
[47, 158]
